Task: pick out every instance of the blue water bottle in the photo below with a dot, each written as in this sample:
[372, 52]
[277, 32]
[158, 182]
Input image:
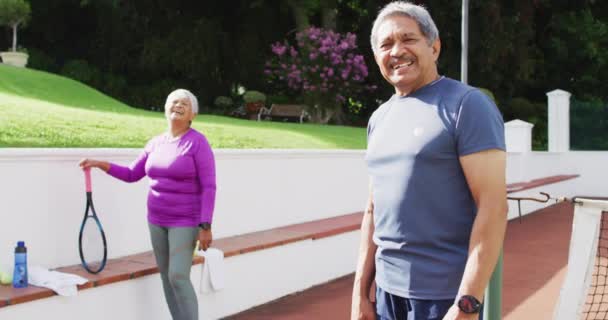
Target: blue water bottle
[20, 274]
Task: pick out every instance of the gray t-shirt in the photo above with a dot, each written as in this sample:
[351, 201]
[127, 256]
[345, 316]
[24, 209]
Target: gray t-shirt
[423, 208]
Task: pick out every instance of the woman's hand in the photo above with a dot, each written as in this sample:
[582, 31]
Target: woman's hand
[87, 163]
[205, 237]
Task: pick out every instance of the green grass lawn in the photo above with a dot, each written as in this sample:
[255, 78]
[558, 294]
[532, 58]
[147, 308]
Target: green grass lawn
[39, 109]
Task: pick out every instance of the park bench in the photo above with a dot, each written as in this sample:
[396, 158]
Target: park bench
[284, 112]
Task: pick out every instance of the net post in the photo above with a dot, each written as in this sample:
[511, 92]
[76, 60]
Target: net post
[493, 301]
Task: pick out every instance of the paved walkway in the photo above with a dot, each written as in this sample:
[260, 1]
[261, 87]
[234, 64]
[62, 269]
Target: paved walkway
[535, 256]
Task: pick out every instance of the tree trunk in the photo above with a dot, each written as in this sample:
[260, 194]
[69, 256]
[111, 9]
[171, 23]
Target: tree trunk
[329, 11]
[320, 115]
[300, 14]
[15, 37]
[339, 116]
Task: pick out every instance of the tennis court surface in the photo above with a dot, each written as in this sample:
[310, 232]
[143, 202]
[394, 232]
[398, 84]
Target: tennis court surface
[535, 258]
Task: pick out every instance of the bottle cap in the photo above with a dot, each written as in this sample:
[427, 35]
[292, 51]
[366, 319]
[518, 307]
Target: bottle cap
[20, 243]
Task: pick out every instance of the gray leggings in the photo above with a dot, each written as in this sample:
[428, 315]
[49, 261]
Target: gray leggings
[173, 247]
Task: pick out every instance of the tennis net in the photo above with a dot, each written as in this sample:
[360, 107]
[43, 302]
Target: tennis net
[584, 294]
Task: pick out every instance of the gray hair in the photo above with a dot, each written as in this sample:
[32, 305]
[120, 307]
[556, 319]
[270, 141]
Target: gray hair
[182, 93]
[416, 12]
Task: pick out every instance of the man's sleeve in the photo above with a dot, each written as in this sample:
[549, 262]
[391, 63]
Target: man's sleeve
[479, 125]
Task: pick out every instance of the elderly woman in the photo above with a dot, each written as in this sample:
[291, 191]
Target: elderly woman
[181, 169]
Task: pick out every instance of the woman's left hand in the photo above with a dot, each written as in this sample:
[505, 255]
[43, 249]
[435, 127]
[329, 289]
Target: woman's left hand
[205, 237]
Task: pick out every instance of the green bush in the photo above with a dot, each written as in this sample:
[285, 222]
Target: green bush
[39, 60]
[279, 99]
[151, 96]
[533, 112]
[114, 85]
[82, 71]
[488, 93]
[223, 102]
[588, 125]
[254, 96]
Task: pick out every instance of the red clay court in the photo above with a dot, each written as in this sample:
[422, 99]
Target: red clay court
[535, 259]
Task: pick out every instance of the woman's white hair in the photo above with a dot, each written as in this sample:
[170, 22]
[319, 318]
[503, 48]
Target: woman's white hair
[416, 12]
[182, 93]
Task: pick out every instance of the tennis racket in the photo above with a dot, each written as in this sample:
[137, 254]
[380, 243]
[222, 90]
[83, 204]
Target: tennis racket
[91, 239]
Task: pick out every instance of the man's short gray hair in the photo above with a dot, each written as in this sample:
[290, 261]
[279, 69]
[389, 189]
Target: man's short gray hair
[416, 12]
[182, 93]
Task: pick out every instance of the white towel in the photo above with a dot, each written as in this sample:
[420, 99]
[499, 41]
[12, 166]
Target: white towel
[212, 274]
[64, 284]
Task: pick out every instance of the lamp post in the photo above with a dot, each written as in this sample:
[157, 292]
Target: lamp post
[493, 297]
[464, 39]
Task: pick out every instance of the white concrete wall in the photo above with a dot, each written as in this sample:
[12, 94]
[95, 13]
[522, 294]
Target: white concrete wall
[590, 165]
[42, 194]
[558, 120]
[518, 136]
[43, 199]
[251, 279]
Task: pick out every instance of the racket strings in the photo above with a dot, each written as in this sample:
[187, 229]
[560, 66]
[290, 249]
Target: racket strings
[93, 244]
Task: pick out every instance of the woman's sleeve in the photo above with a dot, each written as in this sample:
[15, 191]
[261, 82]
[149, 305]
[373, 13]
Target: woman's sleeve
[205, 163]
[133, 172]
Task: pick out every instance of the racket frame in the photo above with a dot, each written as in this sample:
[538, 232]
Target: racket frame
[92, 215]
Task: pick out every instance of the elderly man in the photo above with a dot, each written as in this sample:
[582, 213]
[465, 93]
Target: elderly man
[436, 214]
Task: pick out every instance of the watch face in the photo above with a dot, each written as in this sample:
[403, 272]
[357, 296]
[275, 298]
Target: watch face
[469, 304]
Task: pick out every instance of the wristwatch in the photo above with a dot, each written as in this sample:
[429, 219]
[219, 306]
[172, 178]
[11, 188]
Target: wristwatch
[469, 304]
[205, 225]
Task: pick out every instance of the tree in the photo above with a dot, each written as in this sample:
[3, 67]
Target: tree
[323, 67]
[302, 10]
[14, 13]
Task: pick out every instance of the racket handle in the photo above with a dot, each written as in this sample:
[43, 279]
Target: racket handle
[87, 179]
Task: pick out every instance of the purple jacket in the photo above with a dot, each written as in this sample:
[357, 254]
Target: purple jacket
[182, 179]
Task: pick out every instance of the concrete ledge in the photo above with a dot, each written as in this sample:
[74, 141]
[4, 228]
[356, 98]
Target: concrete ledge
[521, 186]
[142, 264]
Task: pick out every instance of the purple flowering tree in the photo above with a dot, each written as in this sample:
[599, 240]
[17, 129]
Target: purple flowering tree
[323, 67]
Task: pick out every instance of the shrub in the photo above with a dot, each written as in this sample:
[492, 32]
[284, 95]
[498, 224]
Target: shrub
[279, 99]
[39, 60]
[114, 85]
[151, 96]
[522, 108]
[254, 96]
[533, 112]
[488, 93]
[588, 125]
[223, 103]
[323, 66]
[82, 71]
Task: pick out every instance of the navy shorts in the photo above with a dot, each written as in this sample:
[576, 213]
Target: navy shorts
[392, 307]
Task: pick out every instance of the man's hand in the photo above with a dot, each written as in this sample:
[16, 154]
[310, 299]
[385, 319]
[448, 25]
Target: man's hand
[362, 309]
[205, 237]
[455, 314]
